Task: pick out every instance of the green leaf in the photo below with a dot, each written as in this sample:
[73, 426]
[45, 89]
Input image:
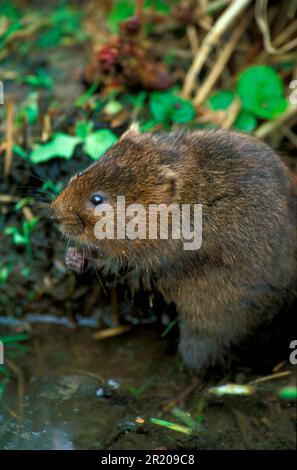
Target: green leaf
[62, 145]
[288, 393]
[245, 122]
[113, 107]
[18, 238]
[4, 273]
[84, 98]
[97, 143]
[19, 151]
[221, 100]
[41, 80]
[261, 91]
[53, 188]
[166, 106]
[161, 6]
[83, 129]
[25, 201]
[30, 224]
[29, 109]
[120, 12]
[14, 338]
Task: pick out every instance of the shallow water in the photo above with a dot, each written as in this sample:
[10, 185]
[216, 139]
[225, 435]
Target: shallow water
[71, 392]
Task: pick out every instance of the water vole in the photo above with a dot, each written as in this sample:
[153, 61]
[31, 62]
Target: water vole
[246, 268]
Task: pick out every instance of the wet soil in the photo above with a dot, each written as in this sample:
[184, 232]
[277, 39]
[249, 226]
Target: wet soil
[71, 392]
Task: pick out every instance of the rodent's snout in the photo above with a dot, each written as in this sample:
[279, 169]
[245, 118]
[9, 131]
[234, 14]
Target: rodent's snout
[70, 223]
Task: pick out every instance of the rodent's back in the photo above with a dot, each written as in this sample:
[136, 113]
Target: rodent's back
[245, 189]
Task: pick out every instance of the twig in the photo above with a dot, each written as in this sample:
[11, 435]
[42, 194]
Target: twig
[214, 6]
[9, 139]
[8, 199]
[270, 127]
[270, 377]
[241, 422]
[221, 25]
[279, 40]
[223, 58]
[233, 112]
[112, 332]
[262, 21]
[193, 38]
[291, 136]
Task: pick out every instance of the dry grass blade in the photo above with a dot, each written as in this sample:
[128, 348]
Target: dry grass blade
[112, 332]
[270, 127]
[9, 139]
[207, 86]
[261, 14]
[210, 40]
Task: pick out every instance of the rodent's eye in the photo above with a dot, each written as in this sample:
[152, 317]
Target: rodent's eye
[96, 199]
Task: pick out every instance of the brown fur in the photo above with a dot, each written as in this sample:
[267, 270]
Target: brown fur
[246, 269]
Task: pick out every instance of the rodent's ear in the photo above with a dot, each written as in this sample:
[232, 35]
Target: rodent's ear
[169, 178]
[132, 131]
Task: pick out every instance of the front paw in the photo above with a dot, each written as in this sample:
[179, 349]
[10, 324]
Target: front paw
[75, 260]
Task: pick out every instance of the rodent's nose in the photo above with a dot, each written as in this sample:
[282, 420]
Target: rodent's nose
[56, 215]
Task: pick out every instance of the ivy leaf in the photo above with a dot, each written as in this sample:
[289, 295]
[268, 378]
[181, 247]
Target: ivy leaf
[221, 100]
[62, 145]
[97, 143]
[161, 6]
[124, 9]
[120, 12]
[261, 91]
[83, 129]
[166, 106]
[245, 122]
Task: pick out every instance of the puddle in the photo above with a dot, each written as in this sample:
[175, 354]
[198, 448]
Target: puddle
[82, 394]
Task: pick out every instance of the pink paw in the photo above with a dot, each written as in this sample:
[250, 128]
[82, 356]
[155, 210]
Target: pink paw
[75, 260]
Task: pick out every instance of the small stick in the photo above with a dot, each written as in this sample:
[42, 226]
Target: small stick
[233, 112]
[207, 86]
[279, 40]
[28, 214]
[290, 136]
[270, 377]
[46, 128]
[271, 126]
[263, 24]
[112, 332]
[8, 199]
[193, 38]
[139, 8]
[9, 139]
[210, 40]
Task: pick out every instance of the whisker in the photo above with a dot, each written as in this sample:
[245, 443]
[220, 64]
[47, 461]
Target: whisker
[90, 251]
